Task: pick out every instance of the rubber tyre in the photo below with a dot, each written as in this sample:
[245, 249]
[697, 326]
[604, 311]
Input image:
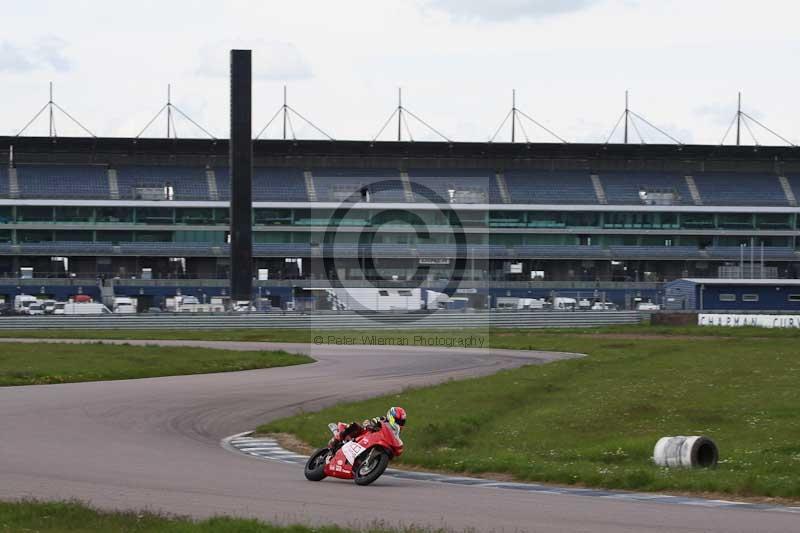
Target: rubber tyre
[315, 466]
[375, 473]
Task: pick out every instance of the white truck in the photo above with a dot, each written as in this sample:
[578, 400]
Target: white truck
[179, 303]
[190, 304]
[564, 304]
[35, 308]
[77, 308]
[124, 305]
[508, 302]
[23, 301]
[242, 306]
[533, 303]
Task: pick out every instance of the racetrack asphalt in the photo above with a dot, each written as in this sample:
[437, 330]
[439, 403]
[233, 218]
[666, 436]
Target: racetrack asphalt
[155, 444]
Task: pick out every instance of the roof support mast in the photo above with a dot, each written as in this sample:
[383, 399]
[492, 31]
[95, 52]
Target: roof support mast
[513, 114]
[50, 106]
[743, 118]
[627, 115]
[169, 110]
[739, 120]
[285, 111]
[399, 113]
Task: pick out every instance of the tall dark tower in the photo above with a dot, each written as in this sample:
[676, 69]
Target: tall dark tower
[241, 165]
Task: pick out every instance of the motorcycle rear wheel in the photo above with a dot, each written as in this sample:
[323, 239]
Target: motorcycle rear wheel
[315, 466]
[364, 474]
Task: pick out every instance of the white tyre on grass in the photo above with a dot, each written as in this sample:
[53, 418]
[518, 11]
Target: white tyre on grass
[686, 452]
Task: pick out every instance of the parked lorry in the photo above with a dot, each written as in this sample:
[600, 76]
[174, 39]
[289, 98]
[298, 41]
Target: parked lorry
[22, 302]
[124, 305]
[242, 306]
[604, 306]
[77, 308]
[564, 304]
[190, 304]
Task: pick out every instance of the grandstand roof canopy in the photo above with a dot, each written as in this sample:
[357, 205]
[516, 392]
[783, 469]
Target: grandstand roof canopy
[114, 149]
[395, 148]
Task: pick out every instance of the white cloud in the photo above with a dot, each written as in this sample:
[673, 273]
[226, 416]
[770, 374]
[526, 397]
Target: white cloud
[272, 60]
[48, 53]
[507, 10]
[13, 59]
[717, 113]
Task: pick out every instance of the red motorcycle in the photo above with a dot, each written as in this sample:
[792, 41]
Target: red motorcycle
[357, 453]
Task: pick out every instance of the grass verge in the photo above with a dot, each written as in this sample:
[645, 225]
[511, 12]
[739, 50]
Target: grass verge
[594, 421]
[495, 337]
[36, 364]
[74, 517]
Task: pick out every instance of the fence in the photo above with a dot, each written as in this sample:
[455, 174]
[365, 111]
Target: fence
[331, 321]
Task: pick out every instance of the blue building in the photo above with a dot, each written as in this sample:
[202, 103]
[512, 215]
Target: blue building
[710, 294]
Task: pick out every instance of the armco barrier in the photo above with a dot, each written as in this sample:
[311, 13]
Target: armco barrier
[332, 321]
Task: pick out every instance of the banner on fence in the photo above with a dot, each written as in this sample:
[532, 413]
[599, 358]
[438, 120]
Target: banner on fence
[761, 321]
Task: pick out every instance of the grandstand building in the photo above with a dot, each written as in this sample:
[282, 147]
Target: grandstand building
[151, 217]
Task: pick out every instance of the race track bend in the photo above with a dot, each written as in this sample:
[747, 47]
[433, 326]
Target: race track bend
[155, 444]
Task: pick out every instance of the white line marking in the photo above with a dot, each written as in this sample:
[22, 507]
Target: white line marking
[285, 453]
[270, 450]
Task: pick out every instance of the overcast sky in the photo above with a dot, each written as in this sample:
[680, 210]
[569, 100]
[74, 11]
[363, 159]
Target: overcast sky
[456, 60]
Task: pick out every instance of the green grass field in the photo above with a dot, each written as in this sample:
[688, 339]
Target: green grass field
[72, 517]
[594, 421]
[35, 364]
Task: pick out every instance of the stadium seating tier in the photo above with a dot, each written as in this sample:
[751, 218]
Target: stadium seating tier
[560, 187]
[550, 187]
[457, 186]
[335, 185]
[3, 181]
[625, 187]
[727, 188]
[62, 181]
[188, 183]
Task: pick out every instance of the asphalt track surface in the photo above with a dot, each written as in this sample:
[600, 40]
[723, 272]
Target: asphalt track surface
[155, 444]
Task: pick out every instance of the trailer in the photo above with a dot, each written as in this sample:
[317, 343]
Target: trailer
[77, 308]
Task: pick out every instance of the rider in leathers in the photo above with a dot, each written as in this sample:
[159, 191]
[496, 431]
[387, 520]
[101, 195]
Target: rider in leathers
[395, 419]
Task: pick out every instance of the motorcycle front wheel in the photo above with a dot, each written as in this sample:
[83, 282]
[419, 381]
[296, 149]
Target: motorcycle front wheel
[370, 467]
[315, 466]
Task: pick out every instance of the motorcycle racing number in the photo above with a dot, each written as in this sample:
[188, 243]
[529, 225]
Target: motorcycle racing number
[352, 450]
